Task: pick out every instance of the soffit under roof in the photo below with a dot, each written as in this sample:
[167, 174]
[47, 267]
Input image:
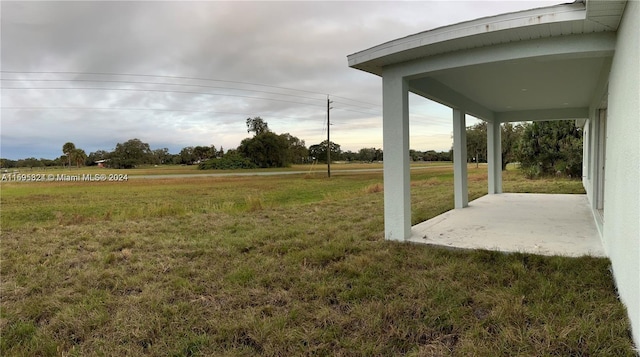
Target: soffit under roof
[607, 13]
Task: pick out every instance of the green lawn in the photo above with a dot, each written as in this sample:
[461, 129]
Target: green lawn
[282, 266]
[150, 170]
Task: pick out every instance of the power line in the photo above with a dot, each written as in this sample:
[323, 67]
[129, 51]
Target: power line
[353, 105]
[427, 123]
[161, 91]
[180, 92]
[183, 77]
[154, 83]
[358, 101]
[176, 84]
[438, 121]
[172, 91]
[142, 109]
[356, 111]
[157, 76]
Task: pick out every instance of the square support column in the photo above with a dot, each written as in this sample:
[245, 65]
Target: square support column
[461, 197]
[494, 157]
[397, 183]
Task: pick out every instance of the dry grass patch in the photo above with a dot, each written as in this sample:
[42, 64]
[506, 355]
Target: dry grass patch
[375, 188]
[188, 268]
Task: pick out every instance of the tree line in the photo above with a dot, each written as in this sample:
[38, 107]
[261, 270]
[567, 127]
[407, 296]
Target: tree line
[128, 154]
[269, 149]
[541, 148]
[265, 149]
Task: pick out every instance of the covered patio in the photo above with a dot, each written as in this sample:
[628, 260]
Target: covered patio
[574, 61]
[546, 224]
[543, 64]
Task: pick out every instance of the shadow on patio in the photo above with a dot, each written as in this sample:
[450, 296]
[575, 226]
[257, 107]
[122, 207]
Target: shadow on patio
[547, 224]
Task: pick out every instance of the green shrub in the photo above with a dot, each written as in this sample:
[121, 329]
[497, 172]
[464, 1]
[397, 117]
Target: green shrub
[230, 161]
[532, 172]
[549, 148]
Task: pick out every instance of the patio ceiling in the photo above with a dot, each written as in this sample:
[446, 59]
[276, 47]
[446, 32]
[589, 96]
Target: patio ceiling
[521, 89]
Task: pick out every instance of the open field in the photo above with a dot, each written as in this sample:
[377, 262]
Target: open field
[148, 170]
[282, 266]
[160, 170]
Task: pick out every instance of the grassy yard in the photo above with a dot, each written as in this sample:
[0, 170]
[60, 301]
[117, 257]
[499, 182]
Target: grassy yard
[149, 170]
[282, 266]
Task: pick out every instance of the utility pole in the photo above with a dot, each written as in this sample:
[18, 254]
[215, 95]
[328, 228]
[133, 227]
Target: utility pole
[328, 138]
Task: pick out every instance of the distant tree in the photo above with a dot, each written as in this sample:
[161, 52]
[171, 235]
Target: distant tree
[366, 154]
[415, 155]
[29, 162]
[350, 155]
[430, 155]
[477, 143]
[371, 154]
[131, 154]
[230, 161]
[445, 155]
[202, 153]
[266, 150]
[78, 156]
[551, 147]
[7, 164]
[62, 160]
[510, 135]
[257, 125]
[186, 156]
[96, 156]
[379, 155]
[67, 149]
[319, 151]
[162, 156]
[196, 154]
[297, 150]
[47, 162]
[213, 152]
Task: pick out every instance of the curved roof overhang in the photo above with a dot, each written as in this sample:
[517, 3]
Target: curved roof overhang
[540, 64]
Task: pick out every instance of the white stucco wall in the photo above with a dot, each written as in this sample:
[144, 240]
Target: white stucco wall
[622, 183]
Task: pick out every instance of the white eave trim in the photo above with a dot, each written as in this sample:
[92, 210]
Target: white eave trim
[521, 19]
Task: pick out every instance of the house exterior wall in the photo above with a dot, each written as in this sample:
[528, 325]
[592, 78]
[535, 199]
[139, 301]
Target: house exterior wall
[621, 226]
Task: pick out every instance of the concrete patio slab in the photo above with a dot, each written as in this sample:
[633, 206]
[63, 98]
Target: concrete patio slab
[543, 224]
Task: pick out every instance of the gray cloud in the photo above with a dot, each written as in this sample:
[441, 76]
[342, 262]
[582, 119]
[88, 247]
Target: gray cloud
[300, 45]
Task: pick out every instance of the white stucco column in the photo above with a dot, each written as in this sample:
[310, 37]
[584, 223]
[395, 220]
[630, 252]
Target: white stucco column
[397, 185]
[494, 157]
[461, 190]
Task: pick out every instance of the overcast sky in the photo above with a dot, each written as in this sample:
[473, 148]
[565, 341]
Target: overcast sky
[176, 74]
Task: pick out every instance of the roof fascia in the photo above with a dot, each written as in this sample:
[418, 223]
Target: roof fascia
[510, 21]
